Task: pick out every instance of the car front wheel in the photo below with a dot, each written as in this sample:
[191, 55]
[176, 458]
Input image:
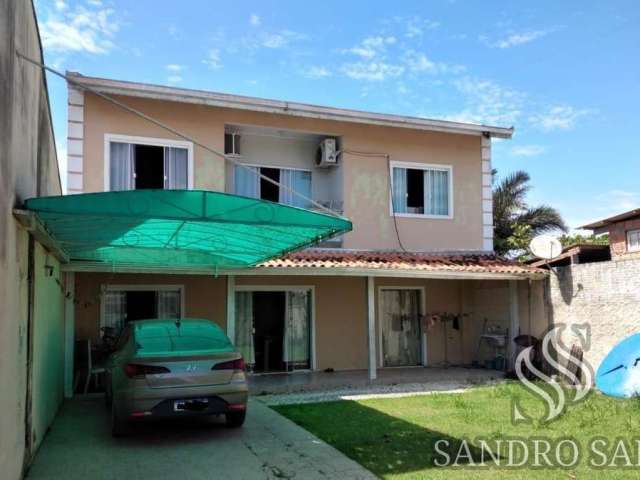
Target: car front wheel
[235, 419]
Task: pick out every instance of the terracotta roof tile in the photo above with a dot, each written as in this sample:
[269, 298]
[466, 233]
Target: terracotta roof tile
[476, 263]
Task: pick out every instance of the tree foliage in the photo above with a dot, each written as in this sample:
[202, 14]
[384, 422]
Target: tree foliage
[577, 238]
[515, 222]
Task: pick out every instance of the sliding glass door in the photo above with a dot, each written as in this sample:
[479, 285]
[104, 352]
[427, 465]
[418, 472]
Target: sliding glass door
[273, 329]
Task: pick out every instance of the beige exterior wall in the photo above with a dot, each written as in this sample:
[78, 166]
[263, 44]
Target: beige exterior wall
[340, 315]
[365, 180]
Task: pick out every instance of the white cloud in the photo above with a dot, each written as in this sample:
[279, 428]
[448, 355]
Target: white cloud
[82, 29]
[487, 102]
[254, 20]
[516, 39]
[416, 26]
[420, 63]
[213, 59]
[174, 79]
[371, 47]
[280, 39]
[274, 40]
[316, 72]
[371, 64]
[528, 150]
[560, 117]
[173, 31]
[174, 67]
[372, 71]
[380, 57]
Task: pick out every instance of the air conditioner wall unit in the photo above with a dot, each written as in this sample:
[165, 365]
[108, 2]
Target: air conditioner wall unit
[327, 154]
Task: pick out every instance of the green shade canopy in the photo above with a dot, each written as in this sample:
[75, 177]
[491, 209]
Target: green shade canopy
[179, 228]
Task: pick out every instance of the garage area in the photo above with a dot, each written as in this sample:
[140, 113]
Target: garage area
[173, 231]
[79, 446]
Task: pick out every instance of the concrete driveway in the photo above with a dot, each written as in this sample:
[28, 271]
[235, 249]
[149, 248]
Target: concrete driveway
[80, 446]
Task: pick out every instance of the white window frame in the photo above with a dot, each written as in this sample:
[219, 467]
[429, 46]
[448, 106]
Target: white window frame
[288, 288]
[138, 288]
[423, 330]
[627, 235]
[422, 166]
[234, 134]
[156, 142]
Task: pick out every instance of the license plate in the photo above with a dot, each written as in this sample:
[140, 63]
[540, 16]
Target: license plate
[191, 405]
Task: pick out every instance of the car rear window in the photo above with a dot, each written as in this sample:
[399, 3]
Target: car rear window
[186, 339]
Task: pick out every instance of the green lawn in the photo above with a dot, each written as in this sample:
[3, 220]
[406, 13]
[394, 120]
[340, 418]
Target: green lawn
[395, 438]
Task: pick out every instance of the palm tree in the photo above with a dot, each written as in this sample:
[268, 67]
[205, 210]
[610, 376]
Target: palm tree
[515, 222]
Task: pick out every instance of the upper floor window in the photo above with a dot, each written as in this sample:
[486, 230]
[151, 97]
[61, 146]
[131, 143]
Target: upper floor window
[135, 163]
[421, 190]
[247, 182]
[633, 240]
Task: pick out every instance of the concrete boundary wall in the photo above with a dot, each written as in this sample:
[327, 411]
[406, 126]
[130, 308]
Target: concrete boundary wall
[606, 295]
[30, 317]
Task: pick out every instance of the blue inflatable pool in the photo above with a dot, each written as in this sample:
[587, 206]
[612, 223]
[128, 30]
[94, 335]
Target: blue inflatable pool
[619, 373]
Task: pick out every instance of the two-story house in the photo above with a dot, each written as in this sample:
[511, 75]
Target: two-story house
[415, 283]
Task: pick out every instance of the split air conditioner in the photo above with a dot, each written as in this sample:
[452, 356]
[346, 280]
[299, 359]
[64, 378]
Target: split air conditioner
[327, 155]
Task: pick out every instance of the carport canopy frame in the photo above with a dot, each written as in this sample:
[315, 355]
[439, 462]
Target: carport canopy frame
[177, 228]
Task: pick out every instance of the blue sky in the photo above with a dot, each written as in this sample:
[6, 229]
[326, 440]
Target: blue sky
[565, 74]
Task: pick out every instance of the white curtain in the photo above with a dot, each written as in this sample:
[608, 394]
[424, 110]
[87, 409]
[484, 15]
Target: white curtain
[246, 181]
[244, 326]
[121, 166]
[169, 304]
[297, 327]
[400, 190]
[436, 189]
[175, 168]
[400, 321]
[115, 307]
[298, 181]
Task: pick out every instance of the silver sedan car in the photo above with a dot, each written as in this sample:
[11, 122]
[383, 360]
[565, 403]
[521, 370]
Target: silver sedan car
[175, 368]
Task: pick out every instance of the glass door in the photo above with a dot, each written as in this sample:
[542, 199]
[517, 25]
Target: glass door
[400, 327]
[273, 329]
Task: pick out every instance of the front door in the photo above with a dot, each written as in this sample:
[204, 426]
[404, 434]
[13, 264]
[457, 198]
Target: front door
[401, 332]
[273, 329]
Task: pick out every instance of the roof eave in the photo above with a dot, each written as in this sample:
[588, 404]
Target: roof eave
[311, 271]
[601, 225]
[213, 99]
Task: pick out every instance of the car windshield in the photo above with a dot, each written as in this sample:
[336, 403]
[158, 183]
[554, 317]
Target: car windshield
[187, 338]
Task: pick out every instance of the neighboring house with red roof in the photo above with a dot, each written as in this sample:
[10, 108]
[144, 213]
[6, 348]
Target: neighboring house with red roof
[415, 283]
[624, 233]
